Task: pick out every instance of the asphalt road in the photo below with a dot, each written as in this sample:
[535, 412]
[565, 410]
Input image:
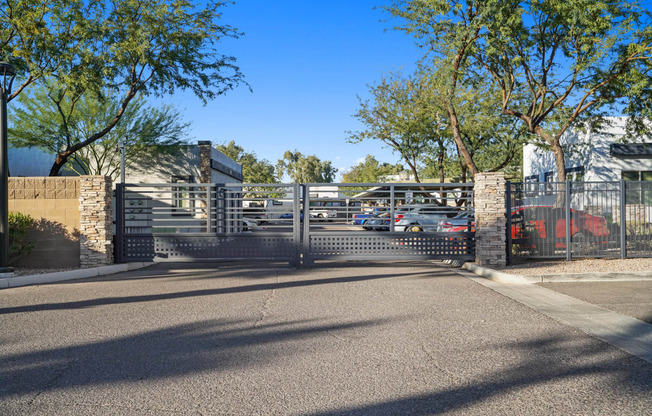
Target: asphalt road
[363, 339]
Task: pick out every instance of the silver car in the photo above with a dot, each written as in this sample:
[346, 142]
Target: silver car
[416, 218]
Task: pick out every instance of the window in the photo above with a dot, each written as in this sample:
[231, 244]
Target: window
[182, 198]
[548, 179]
[639, 192]
[531, 184]
[575, 174]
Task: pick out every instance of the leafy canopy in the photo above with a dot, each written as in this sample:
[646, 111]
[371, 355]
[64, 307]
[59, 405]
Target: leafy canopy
[254, 170]
[123, 48]
[371, 170]
[148, 133]
[305, 169]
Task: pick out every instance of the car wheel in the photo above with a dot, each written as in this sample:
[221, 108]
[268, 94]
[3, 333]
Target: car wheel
[414, 228]
[581, 243]
[364, 225]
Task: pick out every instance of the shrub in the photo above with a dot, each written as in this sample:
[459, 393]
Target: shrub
[18, 244]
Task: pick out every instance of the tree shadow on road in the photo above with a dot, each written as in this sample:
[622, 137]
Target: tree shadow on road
[622, 379]
[166, 353]
[197, 293]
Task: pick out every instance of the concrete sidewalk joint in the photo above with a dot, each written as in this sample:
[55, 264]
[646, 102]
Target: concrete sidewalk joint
[38, 279]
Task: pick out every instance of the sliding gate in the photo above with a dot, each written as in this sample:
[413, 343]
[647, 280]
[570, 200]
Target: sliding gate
[297, 223]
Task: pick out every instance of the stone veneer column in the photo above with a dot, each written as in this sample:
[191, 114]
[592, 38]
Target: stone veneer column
[96, 221]
[490, 220]
[205, 161]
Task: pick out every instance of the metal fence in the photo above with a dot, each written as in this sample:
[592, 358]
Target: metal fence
[579, 219]
[298, 223]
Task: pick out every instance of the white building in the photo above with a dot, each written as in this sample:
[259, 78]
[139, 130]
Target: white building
[593, 157]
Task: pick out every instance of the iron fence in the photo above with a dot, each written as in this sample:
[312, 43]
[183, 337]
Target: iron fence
[579, 219]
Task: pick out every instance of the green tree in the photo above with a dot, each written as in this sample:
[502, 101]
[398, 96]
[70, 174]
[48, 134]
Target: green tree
[148, 133]
[400, 115]
[254, 170]
[305, 169]
[410, 116]
[78, 47]
[371, 170]
[574, 60]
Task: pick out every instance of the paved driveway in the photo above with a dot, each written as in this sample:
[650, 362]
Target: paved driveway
[395, 339]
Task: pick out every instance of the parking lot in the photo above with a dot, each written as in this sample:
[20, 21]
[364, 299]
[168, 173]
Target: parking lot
[340, 338]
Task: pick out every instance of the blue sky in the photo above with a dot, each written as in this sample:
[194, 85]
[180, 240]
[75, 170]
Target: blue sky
[306, 60]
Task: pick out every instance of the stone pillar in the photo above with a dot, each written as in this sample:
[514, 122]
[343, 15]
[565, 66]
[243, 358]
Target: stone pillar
[96, 221]
[490, 220]
[205, 161]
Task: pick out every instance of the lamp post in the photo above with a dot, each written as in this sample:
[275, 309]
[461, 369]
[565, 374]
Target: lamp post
[6, 71]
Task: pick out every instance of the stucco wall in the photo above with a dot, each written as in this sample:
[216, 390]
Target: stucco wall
[54, 204]
[588, 150]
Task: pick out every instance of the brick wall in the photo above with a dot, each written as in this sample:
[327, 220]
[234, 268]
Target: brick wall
[54, 203]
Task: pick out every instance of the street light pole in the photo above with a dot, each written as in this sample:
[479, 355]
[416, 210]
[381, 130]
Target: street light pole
[6, 70]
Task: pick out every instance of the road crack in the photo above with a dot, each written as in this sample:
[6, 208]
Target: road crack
[267, 304]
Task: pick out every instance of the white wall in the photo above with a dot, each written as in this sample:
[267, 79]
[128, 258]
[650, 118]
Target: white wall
[588, 150]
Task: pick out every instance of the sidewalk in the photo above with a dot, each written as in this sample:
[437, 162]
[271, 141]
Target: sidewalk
[38, 279]
[614, 307]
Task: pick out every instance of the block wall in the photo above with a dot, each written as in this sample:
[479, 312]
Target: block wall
[54, 203]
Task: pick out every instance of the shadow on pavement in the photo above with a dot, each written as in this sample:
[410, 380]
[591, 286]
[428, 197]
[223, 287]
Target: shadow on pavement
[170, 352]
[197, 293]
[539, 366]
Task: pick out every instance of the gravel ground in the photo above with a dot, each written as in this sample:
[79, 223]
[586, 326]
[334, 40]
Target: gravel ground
[545, 267]
[23, 271]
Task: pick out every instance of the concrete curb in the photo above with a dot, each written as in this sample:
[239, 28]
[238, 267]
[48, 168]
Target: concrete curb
[38, 279]
[500, 276]
[568, 277]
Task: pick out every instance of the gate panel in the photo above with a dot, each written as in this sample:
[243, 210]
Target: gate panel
[388, 221]
[189, 222]
[294, 223]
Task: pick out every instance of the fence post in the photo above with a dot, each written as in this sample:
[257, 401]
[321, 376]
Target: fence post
[623, 220]
[296, 223]
[307, 261]
[392, 204]
[567, 222]
[508, 210]
[119, 222]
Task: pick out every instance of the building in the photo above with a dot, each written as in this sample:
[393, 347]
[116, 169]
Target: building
[592, 157]
[193, 164]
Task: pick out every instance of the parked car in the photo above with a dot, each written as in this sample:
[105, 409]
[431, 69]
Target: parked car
[529, 223]
[290, 215]
[323, 213]
[378, 223]
[544, 228]
[426, 217]
[358, 219]
[463, 219]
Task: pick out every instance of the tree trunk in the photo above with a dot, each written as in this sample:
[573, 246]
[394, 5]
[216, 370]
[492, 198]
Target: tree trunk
[58, 164]
[457, 137]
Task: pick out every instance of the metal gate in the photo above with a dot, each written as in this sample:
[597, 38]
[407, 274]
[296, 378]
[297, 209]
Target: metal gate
[298, 223]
